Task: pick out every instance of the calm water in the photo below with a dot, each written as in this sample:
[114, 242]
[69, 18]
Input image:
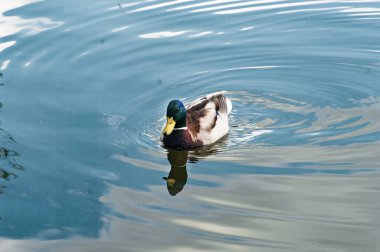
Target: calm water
[83, 90]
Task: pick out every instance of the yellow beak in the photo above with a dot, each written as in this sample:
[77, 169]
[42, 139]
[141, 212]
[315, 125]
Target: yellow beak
[169, 127]
[170, 182]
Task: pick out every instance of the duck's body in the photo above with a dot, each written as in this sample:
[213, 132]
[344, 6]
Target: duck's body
[203, 122]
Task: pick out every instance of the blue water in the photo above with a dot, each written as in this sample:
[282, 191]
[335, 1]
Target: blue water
[84, 87]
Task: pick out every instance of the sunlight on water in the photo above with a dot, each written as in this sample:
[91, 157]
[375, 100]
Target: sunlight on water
[163, 34]
[13, 24]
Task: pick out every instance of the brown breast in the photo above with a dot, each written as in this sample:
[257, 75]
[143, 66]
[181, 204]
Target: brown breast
[181, 140]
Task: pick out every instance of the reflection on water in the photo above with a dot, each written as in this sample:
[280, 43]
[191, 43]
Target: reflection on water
[247, 213]
[8, 157]
[177, 177]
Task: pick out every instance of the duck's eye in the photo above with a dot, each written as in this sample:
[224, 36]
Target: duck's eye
[177, 109]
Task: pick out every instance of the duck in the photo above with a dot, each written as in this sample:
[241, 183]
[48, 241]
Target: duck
[203, 122]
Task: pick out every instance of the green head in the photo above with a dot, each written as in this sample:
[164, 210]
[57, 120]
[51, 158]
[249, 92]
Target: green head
[176, 117]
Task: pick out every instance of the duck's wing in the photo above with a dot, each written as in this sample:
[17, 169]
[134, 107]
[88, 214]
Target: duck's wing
[207, 117]
[216, 101]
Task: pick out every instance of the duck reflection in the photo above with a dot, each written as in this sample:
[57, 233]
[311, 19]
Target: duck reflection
[177, 178]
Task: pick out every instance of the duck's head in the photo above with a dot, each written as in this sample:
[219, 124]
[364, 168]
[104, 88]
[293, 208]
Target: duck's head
[176, 117]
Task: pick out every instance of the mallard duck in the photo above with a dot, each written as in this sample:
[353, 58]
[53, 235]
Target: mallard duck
[203, 122]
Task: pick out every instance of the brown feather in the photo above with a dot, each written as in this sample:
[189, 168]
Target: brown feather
[193, 123]
[213, 124]
[181, 140]
[216, 101]
[199, 106]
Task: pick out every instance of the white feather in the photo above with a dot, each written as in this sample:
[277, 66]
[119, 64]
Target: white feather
[229, 105]
[221, 129]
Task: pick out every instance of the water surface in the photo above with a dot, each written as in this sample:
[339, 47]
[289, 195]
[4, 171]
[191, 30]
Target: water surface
[83, 91]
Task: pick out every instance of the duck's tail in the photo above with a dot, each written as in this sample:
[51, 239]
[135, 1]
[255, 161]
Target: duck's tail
[229, 105]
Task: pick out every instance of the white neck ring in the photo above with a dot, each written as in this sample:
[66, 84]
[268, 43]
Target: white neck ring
[183, 128]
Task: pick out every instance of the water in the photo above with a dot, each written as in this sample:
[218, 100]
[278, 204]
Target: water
[84, 88]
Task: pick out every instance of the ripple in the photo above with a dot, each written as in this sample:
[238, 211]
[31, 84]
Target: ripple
[124, 5]
[115, 121]
[201, 34]
[317, 10]
[106, 175]
[269, 7]
[120, 28]
[250, 68]
[4, 46]
[5, 64]
[163, 34]
[156, 6]
[229, 6]
[247, 28]
[14, 24]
